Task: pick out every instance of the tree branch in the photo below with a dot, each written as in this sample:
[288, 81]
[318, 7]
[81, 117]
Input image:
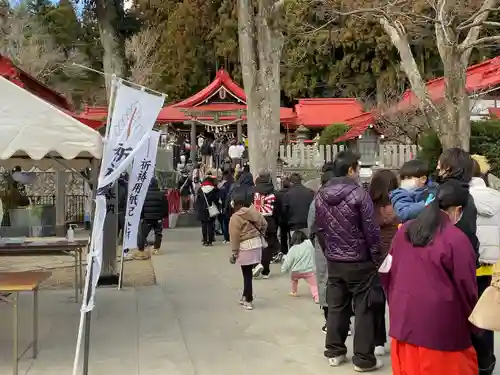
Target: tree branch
[481, 41]
[485, 23]
[481, 16]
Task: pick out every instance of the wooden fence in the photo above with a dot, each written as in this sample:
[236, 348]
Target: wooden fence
[384, 155]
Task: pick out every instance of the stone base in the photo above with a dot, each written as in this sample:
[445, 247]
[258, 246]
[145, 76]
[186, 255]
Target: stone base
[187, 220]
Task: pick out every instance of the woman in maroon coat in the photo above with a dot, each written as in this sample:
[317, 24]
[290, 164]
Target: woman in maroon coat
[430, 281]
[382, 183]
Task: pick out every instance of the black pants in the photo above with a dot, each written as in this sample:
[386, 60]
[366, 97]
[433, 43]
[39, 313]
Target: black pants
[146, 227]
[247, 282]
[483, 340]
[208, 231]
[273, 247]
[284, 234]
[348, 286]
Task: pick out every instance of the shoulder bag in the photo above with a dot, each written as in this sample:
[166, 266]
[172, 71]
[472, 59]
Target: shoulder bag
[213, 211]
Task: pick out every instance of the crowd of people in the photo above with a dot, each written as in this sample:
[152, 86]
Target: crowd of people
[424, 248]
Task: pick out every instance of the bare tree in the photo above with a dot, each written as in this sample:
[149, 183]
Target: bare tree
[261, 43]
[141, 51]
[112, 43]
[457, 26]
[33, 49]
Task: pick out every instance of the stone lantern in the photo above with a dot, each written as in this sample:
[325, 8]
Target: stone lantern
[302, 134]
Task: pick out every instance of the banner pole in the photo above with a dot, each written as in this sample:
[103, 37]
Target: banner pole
[94, 173]
[88, 317]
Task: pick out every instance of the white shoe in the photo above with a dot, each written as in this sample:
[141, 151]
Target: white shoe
[337, 361]
[377, 366]
[380, 351]
[257, 271]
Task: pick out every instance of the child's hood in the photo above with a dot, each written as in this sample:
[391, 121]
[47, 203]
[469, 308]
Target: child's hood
[248, 213]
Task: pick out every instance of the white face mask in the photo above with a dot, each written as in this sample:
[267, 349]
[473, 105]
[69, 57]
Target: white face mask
[409, 184]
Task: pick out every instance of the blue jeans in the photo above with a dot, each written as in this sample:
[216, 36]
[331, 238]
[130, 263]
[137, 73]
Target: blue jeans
[224, 225]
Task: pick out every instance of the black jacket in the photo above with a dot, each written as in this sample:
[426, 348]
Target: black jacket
[468, 221]
[156, 204]
[207, 195]
[267, 202]
[122, 196]
[296, 202]
[224, 191]
[245, 182]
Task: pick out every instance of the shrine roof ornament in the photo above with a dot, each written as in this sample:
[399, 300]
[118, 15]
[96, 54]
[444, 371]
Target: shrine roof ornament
[222, 85]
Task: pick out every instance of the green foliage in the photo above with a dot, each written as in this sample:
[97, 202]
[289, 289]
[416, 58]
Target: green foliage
[331, 133]
[430, 149]
[485, 140]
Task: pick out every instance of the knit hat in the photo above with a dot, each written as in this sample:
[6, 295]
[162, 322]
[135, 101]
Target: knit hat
[484, 166]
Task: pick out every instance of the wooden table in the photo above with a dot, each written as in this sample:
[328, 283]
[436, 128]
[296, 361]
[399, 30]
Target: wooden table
[38, 246]
[11, 284]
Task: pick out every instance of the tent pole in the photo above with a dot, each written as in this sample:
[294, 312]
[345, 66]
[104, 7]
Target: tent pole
[86, 317]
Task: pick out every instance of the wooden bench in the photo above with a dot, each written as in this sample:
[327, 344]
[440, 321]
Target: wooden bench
[11, 284]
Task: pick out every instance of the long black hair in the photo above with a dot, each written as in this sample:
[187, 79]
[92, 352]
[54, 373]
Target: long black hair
[421, 231]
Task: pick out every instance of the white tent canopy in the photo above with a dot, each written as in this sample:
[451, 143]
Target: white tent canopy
[33, 133]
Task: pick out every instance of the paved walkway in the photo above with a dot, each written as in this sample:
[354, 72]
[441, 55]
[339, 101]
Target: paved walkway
[188, 324]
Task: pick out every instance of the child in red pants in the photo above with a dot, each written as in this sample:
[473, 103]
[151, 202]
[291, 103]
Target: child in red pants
[299, 262]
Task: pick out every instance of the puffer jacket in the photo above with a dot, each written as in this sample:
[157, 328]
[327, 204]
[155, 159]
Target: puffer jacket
[345, 223]
[155, 205]
[487, 202]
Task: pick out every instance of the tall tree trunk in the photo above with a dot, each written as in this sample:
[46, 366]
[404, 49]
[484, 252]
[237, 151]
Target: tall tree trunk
[455, 127]
[112, 43]
[261, 42]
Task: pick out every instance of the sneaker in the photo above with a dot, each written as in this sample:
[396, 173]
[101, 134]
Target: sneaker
[265, 277]
[257, 271]
[247, 305]
[242, 301]
[140, 255]
[323, 329]
[155, 252]
[128, 256]
[376, 367]
[293, 294]
[337, 361]
[380, 351]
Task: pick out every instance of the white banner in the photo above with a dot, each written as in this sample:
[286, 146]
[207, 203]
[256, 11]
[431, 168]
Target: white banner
[143, 168]
[134, 115]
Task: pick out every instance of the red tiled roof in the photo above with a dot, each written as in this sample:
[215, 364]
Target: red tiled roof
[326, 111]
[21, 78]
[358, 126]
[173, 113]
[222, 79]
[480, 77]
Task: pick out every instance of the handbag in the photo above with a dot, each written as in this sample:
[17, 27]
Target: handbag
[486, 313]
[262, 236]
[213, 211]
